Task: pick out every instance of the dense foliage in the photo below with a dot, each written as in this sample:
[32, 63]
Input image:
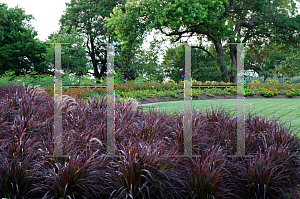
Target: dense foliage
[146, 145]
[219, 22]
[89, 18]
[73, 54]
[272, 28]
[204, 68]
[19, 49]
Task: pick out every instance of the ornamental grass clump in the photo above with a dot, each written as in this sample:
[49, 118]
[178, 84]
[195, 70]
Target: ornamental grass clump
[287, 82]
[255, 81]
[206, 176]
[142, 171]
[267, 175]
[275, 164]
[80, 175]
[271, 81]
[19, 160]
[146, 145]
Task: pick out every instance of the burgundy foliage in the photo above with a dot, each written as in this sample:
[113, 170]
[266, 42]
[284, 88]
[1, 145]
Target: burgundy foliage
[146, 164]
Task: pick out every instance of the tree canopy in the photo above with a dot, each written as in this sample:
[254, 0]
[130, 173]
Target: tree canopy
[270, 27]
[74, 58]
[19, 50]
[204, 68]
[291, 66]
[221, 22]
[89, 17]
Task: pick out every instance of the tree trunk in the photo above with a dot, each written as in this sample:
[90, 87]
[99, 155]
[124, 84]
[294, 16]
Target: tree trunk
[95, 66]
[95, 62]
[233, 57]
[93, 58]
[221, 60]
[103, 68]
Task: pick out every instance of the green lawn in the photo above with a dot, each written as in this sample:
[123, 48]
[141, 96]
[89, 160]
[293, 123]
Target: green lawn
[287, 110]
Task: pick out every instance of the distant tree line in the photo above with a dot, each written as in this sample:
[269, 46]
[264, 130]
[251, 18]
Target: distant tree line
[272, 28]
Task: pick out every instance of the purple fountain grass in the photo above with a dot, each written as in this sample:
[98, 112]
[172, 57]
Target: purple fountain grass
[142, 172]
[80, 176]
[18, 163]
[147, 145]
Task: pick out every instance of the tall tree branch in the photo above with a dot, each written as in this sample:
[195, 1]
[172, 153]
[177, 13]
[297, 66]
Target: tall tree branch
[227, 9]
[202, 48]
[194, 30]
[244, 24]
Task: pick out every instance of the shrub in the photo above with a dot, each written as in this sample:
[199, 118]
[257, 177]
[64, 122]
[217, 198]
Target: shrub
[255, 81]
[289, 94]
[140, 80]
[170, 81]
[287, 82]
[7, 77]
[272, 81]
[249, 92]
[196, 93]
[195, 82]
[268, 92]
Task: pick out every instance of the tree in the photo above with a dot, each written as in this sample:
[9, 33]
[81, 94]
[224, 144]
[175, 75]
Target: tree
[129, 50]
[174, 63]
[159, 15]
[124, 61]
[19, 50]
[74, 57]
[144, 63]
[219, 21]
[89, 16]
[261, 56]
[147, 63]
[291, 66]
[262, 23]
[263, 59]
[204, 68]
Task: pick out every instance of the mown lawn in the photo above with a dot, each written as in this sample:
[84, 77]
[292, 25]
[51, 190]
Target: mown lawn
[286, 110]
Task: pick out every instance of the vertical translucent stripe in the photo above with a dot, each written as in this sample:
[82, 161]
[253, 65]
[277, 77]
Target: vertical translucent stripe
[240, 101]
[110, 101]
[187, 122]
[57, 103]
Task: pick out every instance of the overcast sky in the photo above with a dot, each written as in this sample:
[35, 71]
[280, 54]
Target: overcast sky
[48, 12]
